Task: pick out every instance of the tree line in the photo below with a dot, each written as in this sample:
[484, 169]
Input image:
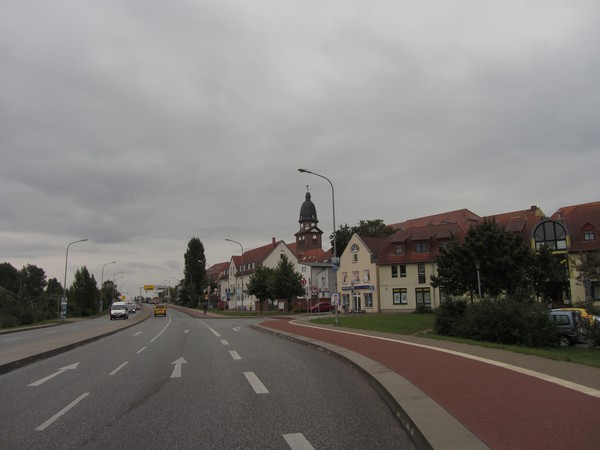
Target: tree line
[28, 297]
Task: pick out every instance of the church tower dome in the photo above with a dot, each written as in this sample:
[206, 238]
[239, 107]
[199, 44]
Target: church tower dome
[309, 236]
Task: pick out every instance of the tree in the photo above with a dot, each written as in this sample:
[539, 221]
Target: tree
[194, 271]
[261, 285]
[500, 258]
[287, 283]
[548, 274]
[83, 294]
[32, 280]
[9, 278]
[365, 228]
[588, 270]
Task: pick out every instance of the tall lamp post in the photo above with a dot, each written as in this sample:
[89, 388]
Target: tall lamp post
[101, 306]
[61, 314]
[241, 271]
[113, 285]
[334, 260]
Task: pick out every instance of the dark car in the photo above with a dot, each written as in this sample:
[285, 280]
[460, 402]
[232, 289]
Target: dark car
[321, 307]
[570, 325]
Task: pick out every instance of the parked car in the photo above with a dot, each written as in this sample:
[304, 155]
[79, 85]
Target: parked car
[321, 307]
[583, 312]
[160, 309]
[118, 310]
[570, 325]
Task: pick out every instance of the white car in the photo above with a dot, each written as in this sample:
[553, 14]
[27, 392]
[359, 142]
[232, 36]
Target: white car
[118, 310]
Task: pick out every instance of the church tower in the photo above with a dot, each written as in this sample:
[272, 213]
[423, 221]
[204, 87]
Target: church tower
[309, 235]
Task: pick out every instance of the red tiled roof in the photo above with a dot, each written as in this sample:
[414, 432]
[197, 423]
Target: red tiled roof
[580, 218]
[463, 217]
[522, 222]
[432, 234]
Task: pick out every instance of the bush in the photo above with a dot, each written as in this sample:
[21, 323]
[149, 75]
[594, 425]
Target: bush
[448, 315]
[502, 321]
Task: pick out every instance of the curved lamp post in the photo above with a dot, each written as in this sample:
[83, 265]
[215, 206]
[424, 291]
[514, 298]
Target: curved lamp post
[64, 299]
[101, 306]
[113, 285]
[241, 271]
[334, 260]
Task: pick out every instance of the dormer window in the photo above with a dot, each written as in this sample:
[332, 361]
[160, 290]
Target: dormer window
[588, 235]
[421, 247]
[399, 249]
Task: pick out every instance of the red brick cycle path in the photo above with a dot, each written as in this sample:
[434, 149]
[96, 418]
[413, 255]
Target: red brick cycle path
[504, 408]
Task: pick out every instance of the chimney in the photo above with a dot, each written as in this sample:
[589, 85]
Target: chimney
[274, 244]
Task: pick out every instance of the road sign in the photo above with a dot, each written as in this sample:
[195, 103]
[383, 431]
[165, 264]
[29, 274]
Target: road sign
[314, 289]
[148, 287]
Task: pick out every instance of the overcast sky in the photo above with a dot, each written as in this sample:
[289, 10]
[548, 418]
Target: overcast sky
[139, 124]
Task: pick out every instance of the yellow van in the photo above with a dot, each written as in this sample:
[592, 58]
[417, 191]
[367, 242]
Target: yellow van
[160, 309]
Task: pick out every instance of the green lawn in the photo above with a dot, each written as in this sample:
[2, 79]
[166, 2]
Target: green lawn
[422, 325]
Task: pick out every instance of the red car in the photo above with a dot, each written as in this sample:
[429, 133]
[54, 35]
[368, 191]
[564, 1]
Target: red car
[321, 307]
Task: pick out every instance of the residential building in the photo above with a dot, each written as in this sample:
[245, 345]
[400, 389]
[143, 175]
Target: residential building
[358, 275]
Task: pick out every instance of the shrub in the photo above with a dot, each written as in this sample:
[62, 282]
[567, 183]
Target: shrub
[449, 315]
[503, 320]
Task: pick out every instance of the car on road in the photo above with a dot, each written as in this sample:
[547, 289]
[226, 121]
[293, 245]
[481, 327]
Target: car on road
[570, 326]
[131, 307]
[118, 310]
[160, 309]
[321, 307]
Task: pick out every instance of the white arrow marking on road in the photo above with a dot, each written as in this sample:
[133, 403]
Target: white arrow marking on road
[58, 372]
[139, 332]
[177, 369]
[297, 441]
[237, 329]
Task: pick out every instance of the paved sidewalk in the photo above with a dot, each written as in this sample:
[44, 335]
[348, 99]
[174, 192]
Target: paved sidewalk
[457, 396]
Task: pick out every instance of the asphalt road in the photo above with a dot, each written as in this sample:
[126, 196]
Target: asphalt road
[183, 382]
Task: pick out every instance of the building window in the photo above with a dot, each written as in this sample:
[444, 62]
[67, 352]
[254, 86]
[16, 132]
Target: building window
[354, 257]
[421, 247]
[444, 245]
[588, 235]
[394, 271]
[344, 277]
[550, 234]
[423, 296]
[402, 271]
[366, 275]
[399, 249]
[421, 269]
[368, 300]
[400, 296]
[356, 276]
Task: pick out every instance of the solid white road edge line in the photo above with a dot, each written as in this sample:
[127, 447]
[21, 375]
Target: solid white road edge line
[542, 376]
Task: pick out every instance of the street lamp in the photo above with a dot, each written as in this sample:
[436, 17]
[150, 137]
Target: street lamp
[64, 299]
[241, 271]
[101, 306]
[334, 260]
[113, 285]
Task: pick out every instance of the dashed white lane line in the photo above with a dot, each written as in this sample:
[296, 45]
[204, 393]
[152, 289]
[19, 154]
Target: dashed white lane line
[118, 368]
[56, 416]
[224, 342]
[141, 349]
[234, 354]
[297, 441]
[256, 384]
[214, 332]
